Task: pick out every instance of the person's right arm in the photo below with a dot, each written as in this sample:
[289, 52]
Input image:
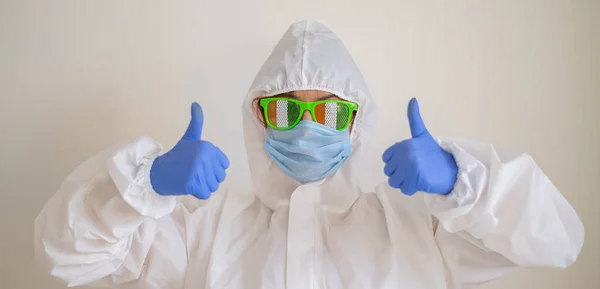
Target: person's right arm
[102, 225]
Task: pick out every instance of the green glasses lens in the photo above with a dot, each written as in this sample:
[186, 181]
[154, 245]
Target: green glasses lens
[282, 113]
[333, 114]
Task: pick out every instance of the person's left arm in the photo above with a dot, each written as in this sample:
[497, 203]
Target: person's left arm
[496, 209]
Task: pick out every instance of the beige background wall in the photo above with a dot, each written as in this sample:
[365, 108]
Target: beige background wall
[78, 76]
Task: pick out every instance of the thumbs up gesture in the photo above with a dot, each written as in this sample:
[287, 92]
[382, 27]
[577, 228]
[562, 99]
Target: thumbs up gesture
[193, 167]
[419, 163]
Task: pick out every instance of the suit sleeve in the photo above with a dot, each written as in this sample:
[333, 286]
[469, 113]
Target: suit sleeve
[503, 213]
[100, 226]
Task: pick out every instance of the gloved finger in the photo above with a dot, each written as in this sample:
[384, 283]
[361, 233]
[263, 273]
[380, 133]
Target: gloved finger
[397, 178]
[390, 167]
[389, 153]
[209, 176]
[194, 130]
[223, 160]
[395, 182]
[200, 194]
[421, 185]
[417, 127]
[409, 187]
[201, 190]
[218, 171]
[204, 186]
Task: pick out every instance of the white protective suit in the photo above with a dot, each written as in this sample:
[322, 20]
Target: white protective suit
[106, 225]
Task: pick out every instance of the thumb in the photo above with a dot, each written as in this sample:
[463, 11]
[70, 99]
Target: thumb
[194, 130]
[417, 127]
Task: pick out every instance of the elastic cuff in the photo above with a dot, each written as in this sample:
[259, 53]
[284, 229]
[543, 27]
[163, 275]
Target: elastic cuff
[130, 171]
[456, 209]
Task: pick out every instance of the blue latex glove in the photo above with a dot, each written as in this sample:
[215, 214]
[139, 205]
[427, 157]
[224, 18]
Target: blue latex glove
[192, 167]
[419, 163]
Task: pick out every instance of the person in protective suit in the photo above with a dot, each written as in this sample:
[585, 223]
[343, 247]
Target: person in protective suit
[118, 219]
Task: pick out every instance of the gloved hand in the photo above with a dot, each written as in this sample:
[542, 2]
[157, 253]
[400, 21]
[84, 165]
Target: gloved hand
[419, 163]
[192, 167]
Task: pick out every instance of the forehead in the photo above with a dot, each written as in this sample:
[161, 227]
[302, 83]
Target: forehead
[309, 95]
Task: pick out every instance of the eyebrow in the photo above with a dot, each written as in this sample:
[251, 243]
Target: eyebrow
[292, 96]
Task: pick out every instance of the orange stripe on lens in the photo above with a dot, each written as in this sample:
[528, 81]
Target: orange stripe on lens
[320, 113]
[272, 112]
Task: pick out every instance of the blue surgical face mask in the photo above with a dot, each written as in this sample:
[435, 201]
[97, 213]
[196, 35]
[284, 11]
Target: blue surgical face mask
[308, 152]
